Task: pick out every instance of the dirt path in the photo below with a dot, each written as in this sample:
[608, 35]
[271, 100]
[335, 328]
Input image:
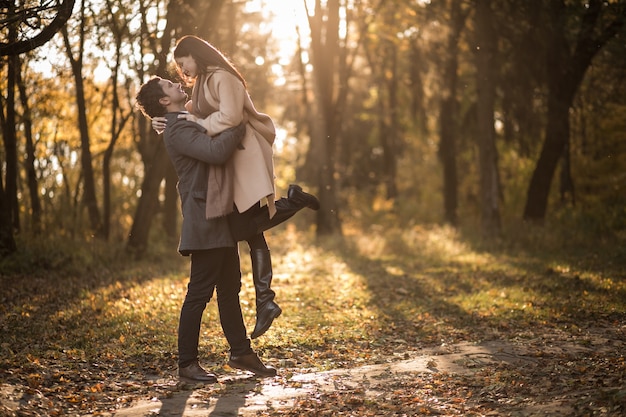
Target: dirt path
[552, 375]
[241, 395]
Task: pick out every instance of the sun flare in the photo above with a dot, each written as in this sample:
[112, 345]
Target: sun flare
[285, 19]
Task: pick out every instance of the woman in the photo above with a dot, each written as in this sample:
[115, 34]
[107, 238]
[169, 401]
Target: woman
[220, 100]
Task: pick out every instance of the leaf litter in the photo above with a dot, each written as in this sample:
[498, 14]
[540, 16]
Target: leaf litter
[368, 330]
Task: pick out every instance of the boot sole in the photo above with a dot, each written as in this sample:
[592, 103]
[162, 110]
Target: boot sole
[196, 381]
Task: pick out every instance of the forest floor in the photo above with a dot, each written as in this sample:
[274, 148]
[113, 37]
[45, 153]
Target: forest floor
[550, 379]
[409, 322]
[413, 386]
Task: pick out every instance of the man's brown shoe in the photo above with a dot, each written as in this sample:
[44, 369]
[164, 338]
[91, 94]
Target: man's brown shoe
[196, 373]
[252, 363]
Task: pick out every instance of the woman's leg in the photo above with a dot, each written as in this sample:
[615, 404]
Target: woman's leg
[266, 309]
[285, 208]
[256, 219]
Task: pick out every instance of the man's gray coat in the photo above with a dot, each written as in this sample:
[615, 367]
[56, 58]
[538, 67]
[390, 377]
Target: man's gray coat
[191, 150]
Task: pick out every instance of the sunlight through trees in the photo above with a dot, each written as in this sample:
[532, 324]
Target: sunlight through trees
[383, 108]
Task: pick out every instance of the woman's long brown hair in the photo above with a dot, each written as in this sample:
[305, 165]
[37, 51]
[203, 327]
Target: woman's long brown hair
[205, 55]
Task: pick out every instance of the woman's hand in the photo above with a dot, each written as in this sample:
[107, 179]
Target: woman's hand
[158, 124]
[189, 117]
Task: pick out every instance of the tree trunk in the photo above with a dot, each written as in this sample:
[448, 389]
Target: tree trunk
[307, 118]
[106, 190]
[118, 118]
[7, 241]
[10, 146]
[449, 116]
[557, 130]
[89, 182]
[567, 182]
[391, 138]
[418, 111]
[486, 85]
[447, 155]
[324, 50]
[383, 65]
[31, 175]
[149, 200]
[566, 66]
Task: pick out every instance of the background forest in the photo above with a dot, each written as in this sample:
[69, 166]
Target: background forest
[479, 114]
[470, 160]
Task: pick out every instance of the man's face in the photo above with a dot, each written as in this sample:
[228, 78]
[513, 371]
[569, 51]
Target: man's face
[173, 91]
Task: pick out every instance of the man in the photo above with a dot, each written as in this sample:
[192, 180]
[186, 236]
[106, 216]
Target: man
[209, 242]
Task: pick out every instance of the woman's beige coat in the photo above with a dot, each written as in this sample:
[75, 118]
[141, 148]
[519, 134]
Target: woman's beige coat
[222, 103]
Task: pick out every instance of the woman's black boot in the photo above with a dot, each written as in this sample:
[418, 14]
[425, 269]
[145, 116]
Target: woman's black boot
[266, 309]
[302, 199]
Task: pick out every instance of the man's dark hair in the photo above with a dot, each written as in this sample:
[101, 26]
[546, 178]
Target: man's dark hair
[148, 98]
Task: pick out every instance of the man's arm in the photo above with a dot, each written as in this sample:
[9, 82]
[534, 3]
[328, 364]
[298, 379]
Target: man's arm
[190, 139]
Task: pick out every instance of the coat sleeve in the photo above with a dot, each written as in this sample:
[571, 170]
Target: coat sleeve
[189, 139]
[231, 96]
